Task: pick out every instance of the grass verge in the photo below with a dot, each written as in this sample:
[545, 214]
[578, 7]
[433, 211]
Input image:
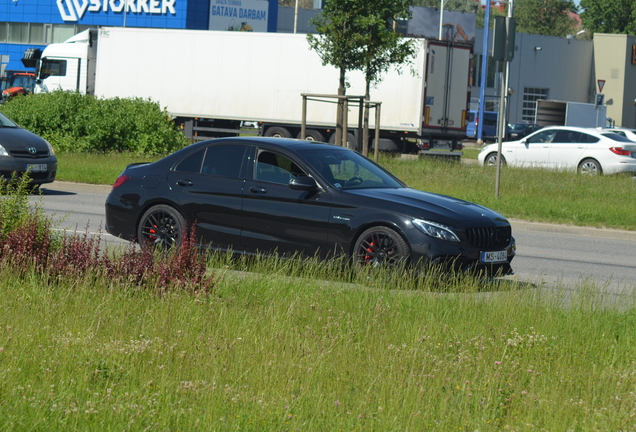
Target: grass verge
[269, 352]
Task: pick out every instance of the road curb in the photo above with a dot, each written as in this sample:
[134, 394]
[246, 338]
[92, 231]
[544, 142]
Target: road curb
[574, 230]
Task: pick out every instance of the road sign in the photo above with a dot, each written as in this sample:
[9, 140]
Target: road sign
[601, 84]
[600, 100]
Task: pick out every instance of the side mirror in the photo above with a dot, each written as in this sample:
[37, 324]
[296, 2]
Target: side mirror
[303, 183]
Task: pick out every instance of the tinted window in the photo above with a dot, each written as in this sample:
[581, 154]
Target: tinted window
[616, 137]
[543, 137]
[349, 170]
[52, 68]
[192, 163]
[224, 160]
[567, 136]
[275, 168]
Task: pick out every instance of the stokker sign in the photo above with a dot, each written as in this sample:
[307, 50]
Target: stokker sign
[73, 10]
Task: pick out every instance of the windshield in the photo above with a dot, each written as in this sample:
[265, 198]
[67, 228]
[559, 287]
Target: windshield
[345, 169]
[6, 121]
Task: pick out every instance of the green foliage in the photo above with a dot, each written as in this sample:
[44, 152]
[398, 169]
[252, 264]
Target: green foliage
[545, 17]
[72, 122]
[609, 16]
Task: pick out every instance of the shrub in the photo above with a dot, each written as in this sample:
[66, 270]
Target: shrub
[72, 122]
[28, 241]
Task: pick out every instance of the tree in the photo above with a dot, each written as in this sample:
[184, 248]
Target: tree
[609, 16]
[545, 17]
[358, 35]
[382, 47]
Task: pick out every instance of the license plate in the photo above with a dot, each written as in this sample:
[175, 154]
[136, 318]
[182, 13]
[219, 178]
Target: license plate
[494, 257]
[35, 167]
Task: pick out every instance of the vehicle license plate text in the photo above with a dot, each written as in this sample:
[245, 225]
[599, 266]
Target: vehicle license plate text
[494, 257]
[35, 167]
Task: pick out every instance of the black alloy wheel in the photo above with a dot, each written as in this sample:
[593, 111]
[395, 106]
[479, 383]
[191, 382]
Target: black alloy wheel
[379, 246]
[161, 226]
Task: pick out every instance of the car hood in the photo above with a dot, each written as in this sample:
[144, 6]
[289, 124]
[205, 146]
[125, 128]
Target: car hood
[439, 208]
[20, 139]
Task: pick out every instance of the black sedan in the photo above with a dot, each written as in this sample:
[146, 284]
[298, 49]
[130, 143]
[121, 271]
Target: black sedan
[263, 195]
[516, 131]
[22, 151]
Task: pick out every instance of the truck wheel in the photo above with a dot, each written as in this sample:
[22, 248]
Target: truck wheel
[491, 160]
[590, 167]
[161, 226]
[312, 135]
[351, 140]
[277, 132]
[381, 246]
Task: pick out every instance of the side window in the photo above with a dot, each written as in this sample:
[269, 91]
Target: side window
[567, 136]
[192, 163]
[543, 137]
[53, 68]
[591, 139]
[224, 160]
[275, 168]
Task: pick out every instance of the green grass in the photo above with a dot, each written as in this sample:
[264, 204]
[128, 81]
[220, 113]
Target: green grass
[265, 351]
[529, 194]
[95, 168]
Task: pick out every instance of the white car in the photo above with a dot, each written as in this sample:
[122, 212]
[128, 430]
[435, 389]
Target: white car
[630, 134]
[586, 150]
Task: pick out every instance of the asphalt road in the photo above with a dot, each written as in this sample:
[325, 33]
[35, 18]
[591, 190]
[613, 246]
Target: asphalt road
[547, 255]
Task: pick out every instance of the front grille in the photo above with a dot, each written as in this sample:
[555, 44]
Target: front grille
[26, 154]
[489, 238]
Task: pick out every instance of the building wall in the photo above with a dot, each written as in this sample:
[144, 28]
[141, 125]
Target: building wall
[562, 66]
[613, 63]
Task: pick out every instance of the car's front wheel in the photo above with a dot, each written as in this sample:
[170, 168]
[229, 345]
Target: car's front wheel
[161, 226]
[491, 160]
[381, 246]
[590, 167]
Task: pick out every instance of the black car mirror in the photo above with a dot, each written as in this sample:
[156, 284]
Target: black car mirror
[303, 183]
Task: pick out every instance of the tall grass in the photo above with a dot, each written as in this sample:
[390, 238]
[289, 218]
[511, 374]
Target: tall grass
[270, 352]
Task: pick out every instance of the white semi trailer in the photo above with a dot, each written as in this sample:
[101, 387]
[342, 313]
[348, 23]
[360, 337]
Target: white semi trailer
[211, 81]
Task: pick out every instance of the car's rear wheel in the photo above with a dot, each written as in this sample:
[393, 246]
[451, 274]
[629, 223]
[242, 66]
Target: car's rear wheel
[161, 226]
[590, 167]
[381, 246]
[491, 160]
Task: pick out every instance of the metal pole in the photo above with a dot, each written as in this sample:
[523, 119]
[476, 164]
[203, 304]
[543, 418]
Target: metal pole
[345, 120]
[502, 107]
[484, 62]
[303, 124]
[295, 17]
[376, 150]
[441, 18]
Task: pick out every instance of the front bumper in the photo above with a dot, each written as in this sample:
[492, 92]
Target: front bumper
[45, 169]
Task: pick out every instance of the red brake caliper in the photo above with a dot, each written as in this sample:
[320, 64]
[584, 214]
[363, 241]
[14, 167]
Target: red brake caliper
[370, 250]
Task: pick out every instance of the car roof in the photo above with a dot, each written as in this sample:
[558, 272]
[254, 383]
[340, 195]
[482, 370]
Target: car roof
[290, 143]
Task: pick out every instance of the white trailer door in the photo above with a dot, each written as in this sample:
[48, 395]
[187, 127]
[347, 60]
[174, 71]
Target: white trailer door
[447, 88]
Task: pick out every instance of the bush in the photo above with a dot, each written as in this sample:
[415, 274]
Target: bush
[72, 122]
[28, 241]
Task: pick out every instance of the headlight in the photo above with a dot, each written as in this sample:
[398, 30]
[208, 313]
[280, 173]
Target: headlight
[436, 230]
[3, 152]
[51, 151]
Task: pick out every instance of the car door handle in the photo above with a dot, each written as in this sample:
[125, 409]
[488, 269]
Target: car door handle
[184, 183]
[256, 190]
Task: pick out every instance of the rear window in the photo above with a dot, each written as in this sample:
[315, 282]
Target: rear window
[616, 137]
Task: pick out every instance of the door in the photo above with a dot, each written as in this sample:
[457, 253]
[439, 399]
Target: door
[567, 148]
[209, 185]
[276, 217]
[533, 151]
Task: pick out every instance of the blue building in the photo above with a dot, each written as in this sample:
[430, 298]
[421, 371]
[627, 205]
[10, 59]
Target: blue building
[37, 23]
